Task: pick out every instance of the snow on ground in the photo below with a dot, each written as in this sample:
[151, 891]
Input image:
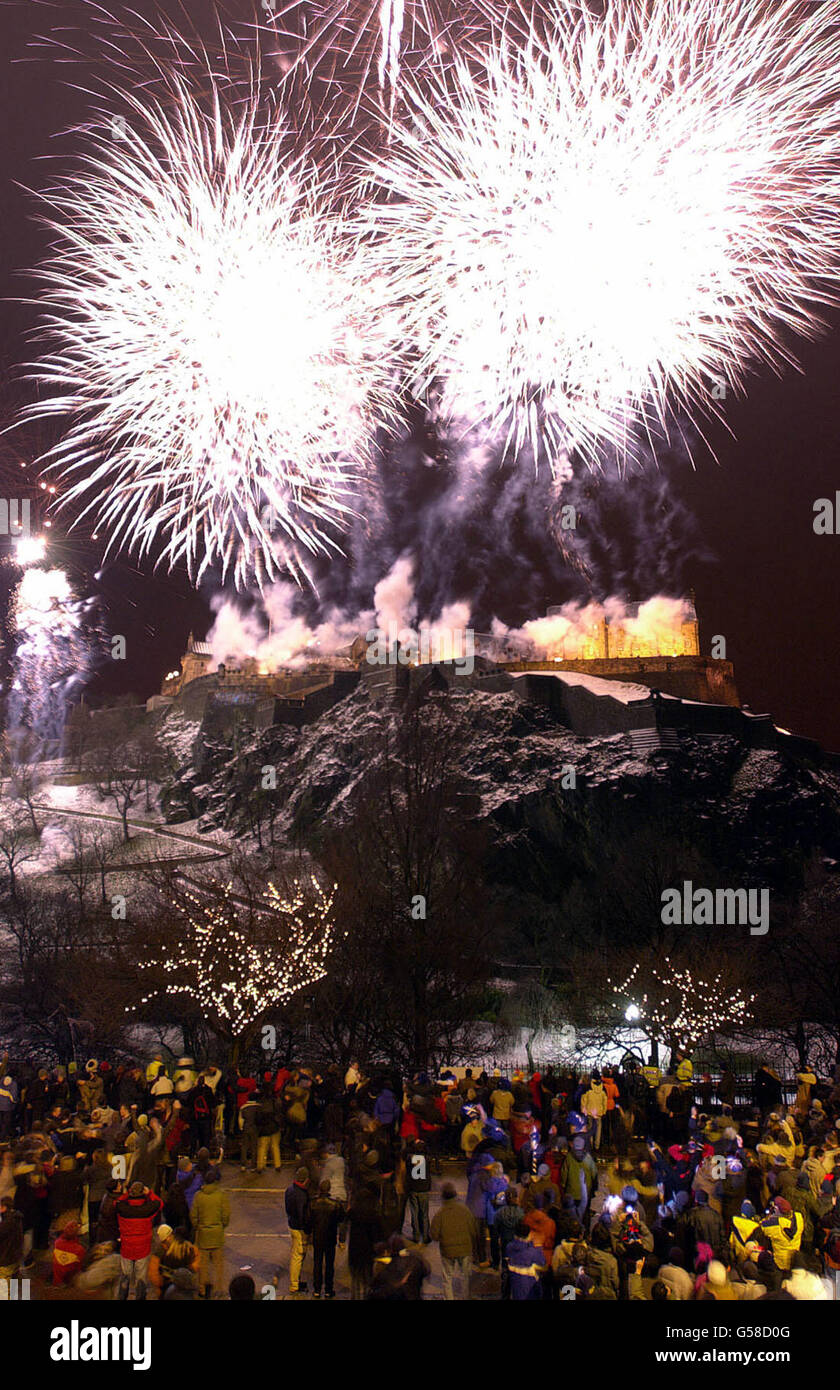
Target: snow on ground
[59, 809]
[626, 692]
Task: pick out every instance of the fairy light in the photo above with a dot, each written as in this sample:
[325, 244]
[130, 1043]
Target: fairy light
[220, 966]
[685, 1008]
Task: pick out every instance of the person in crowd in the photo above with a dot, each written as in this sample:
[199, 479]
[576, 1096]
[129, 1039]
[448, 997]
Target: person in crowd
[137, 1211]
[325, 1219]
[455, 1229]
[299, 1217]
[749, 1189]
[210, 1217]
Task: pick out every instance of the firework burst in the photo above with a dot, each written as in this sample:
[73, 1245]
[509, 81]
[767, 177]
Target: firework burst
[57, 645]
[361, 48]
[617, 217]
[214, 336]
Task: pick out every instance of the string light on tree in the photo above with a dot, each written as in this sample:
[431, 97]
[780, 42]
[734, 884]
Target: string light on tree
[676, 1007]
[237, 961]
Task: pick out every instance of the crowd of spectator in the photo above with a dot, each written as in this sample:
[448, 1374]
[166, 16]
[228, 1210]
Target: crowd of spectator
[620, 1183]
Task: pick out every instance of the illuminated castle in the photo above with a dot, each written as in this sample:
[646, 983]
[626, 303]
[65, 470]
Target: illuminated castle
[656, 644]
[610, 637]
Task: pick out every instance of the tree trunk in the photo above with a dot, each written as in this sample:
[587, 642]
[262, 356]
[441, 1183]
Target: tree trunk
[801, 1045]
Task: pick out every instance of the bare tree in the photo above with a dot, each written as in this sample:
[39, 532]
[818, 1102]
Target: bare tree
[77, 733]
[114, 758]
[104, 849]
[26, 777]
[80, 869]
[412, 894]
[16, 848]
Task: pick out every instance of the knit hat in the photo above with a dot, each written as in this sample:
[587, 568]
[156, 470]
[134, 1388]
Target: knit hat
[92, 1065]
[782, 1206]
[164, 1231]
[629, 1195]
[716, 1274]
[142, 1121]
[747, 1209]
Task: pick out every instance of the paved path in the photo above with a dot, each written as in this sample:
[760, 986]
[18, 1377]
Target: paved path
[258, 1240]
[211, 849]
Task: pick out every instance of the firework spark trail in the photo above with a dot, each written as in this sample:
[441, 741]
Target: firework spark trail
[214, 335]
[54, 654]
[361, 48]
[615, 218]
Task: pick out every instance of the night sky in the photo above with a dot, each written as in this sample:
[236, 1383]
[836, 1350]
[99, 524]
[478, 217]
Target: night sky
[770, 591]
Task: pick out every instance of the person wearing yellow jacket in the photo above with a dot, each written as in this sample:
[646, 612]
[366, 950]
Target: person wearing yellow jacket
[743, 1240]
[685, 1070]
[594, 1106]
[783, 1227]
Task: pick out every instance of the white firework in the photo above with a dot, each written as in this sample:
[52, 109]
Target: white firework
[214, 336]
[53, 655]
[616, 217]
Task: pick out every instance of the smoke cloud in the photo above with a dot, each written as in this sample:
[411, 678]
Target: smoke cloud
[448, 531]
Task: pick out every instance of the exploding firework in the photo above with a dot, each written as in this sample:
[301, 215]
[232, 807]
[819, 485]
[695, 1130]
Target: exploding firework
[616, 218]
[361, 48]
[213, 333]
[53, 657]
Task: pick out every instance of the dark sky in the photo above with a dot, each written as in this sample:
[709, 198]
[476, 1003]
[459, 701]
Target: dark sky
[772, 590]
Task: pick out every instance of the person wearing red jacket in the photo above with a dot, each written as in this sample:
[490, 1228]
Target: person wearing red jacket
[136, 1211]
[68, 1253]
[281, 1080]
[522, 1127]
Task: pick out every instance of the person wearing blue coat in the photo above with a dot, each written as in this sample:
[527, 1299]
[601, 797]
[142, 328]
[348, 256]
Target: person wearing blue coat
[526, 1264]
